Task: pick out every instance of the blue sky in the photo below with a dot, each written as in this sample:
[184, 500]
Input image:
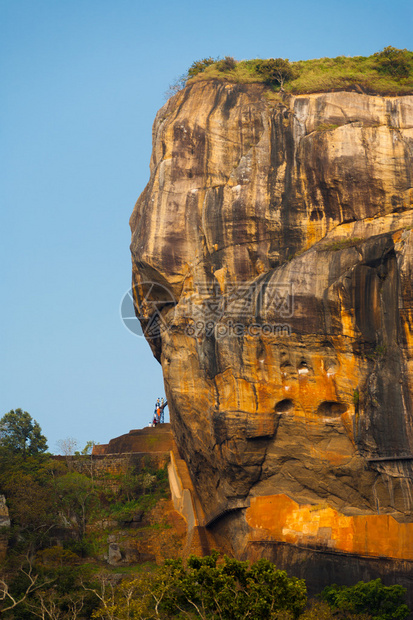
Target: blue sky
[81, 83]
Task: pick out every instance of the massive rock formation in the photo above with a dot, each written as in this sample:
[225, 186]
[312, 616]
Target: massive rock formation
[272, 269]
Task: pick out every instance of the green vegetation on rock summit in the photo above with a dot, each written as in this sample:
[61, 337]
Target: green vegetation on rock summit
[388, 72]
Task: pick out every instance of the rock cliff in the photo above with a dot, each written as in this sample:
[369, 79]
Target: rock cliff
[272, 268]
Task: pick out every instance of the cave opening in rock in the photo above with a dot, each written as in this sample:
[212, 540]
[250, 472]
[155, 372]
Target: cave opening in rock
[284, 406]
[331, 408]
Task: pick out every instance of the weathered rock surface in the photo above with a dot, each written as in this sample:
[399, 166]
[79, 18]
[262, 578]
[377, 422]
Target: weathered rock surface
[4, 525]
[114, 554]
[279, 238]
[4, 513]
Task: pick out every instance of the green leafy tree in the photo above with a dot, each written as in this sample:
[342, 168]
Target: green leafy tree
[319, 610]
[199, 65]
[20, 434]
[230, 590]
[29, 485]
[124, 601]
[87, 450]
[12, 597]
[50, 590]
[77, 498]
[32, 508]
[393, 61]
[203, 588]
[226, 64]
[276, 71]
[380, 601]
[129, 486]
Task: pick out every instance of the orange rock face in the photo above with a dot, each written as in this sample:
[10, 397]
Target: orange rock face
[272, 268]
[279, 517]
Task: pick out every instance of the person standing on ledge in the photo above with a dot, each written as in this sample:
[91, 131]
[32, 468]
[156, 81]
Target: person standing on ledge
[156, 413]
[159, 412]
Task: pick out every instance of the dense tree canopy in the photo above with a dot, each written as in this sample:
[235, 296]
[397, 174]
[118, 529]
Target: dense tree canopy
[393, 61]
[230, 590]
[200, 65]
[20, 434]
[382, 602]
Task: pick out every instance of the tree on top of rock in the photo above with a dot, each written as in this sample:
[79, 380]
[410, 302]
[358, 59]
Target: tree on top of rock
[393, 61]
[20, 434]
[276, 71]
[200, 65]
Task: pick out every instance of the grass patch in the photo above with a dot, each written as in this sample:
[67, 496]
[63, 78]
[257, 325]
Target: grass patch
[341, 244]
[323, 127]
[273, 97]
[122, 511]
[139, 491]
[243, 73]
[134, 570]
[389, 72]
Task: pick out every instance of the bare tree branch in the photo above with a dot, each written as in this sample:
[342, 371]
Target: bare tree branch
[32, 587]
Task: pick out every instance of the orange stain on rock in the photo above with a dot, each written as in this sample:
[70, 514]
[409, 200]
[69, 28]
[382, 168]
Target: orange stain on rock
[277, 517]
